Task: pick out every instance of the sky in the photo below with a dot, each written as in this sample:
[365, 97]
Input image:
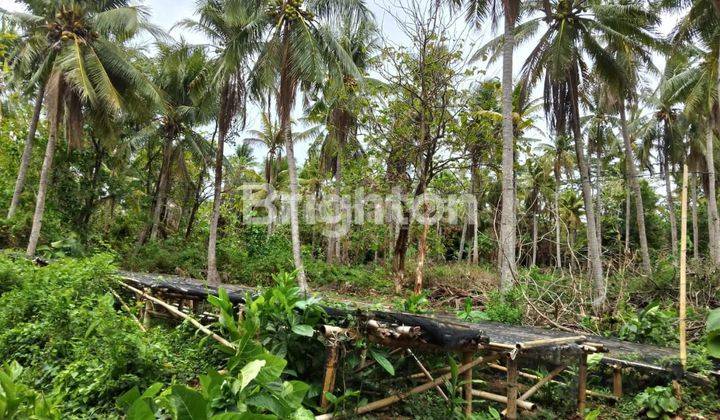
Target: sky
[166, 13]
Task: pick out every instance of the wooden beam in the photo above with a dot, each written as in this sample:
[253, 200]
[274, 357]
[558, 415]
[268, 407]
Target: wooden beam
[467, 383]
[512, 388]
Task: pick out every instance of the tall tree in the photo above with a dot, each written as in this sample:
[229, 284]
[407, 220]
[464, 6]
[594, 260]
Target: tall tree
[300, 47]
[230, 27]
[567, 46]
[477, 12]
[85, 70]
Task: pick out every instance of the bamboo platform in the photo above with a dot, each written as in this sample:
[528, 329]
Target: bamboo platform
[495, 346]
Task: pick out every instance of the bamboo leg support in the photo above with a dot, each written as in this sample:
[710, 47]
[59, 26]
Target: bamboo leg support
[128, 310]
[147, 312]
[330, 371]
[582, 384]
[617, 381]
[418, 389]
[540, 383]
[523, 405]
[512, 389]
[467, 385]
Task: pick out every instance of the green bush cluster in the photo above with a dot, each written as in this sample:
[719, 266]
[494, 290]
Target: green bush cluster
[64, 326]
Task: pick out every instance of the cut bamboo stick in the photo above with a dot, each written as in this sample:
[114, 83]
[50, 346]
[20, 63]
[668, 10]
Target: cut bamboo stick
[175, 311]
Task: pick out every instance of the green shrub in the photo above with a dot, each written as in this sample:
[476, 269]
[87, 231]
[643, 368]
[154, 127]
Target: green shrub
[62, 323]
[18, 401]
[657, 403]
[652, 325]
[507, 308]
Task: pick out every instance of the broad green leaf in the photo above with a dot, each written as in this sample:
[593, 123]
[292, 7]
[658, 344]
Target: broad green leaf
[187, 404]
[383, 361]
[126, 400]
[250, 372]
[303, 329]
[140, 410]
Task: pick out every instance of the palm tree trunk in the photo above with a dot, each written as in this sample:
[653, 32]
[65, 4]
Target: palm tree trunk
[627, 220]
[534, 239]
[594, 253]
[213, 276]
[285, 103]
[27, 153]
[162, 188]
[635, 185]
[507, 217]
[45, 174]
[671, 208]
[713, 221]
[556, 203]
[695, 227]
[598, 195]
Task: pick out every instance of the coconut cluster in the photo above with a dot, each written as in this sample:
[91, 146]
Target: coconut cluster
[69, 24]
[291, 10]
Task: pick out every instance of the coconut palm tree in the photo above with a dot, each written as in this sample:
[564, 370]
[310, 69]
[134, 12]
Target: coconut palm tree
[79, 46]
[696, 83]
[567, 47]
[235, 37]
[562, 160]
[477, 12]
[300, 48]
[184, 75]
[338, 106]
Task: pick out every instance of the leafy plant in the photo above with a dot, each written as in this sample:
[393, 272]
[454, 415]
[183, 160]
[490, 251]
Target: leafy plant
[653, 325]
[18, 401]
[657, 402]
[712, 331]
[414, 304]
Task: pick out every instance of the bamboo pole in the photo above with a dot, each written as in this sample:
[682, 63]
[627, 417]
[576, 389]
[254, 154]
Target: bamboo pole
[582, 384]
[467, 383]
[617, 381]
[512, 389]
[182, 315]
[330, 372]
[533, 389]
[418, 389]
[590, 393]
[426, 373]
[128, 310]
[550, 342]
[683, 267]
[524, 405]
